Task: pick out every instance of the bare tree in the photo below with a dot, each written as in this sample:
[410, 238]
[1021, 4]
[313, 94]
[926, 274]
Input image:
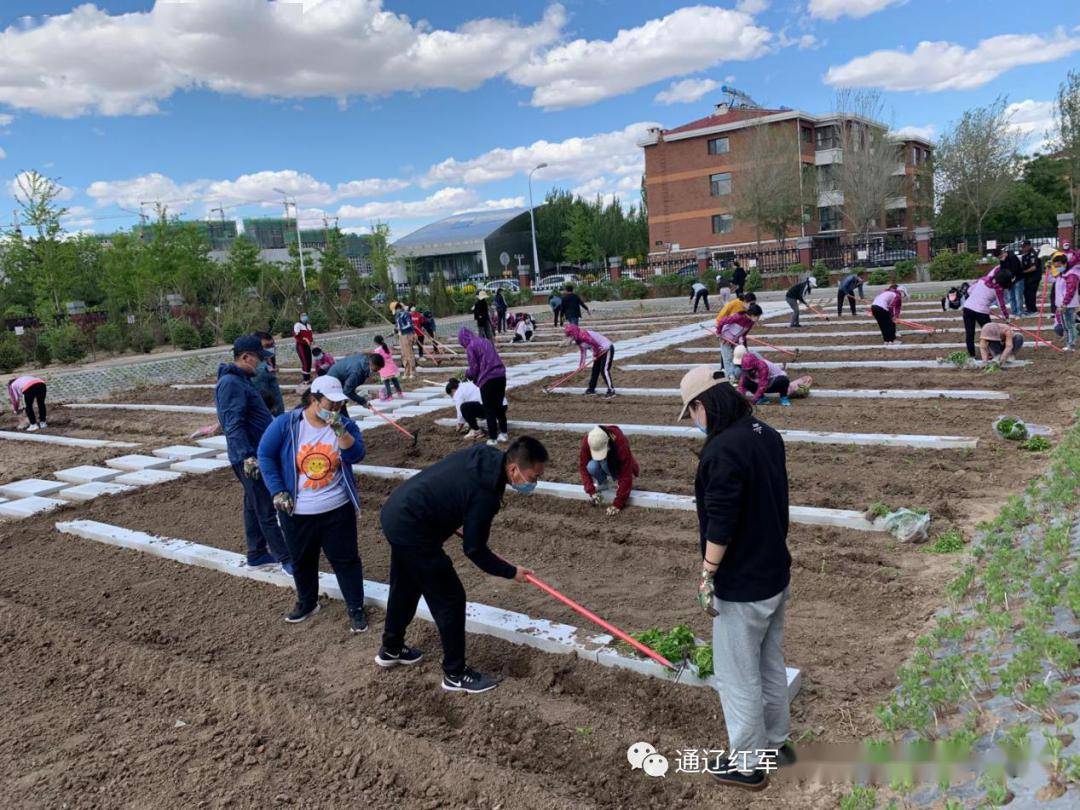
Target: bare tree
[978, 159]
[774, 190]
[867, 174]
[1066, 142]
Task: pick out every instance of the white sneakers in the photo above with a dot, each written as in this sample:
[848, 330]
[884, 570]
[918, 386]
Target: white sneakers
[31, 428]
[503, 438]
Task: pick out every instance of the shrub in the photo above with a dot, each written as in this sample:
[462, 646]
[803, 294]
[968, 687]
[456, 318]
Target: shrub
[207, 336]
[355, 314]
[283, 325]
[184, 335]
[42, 352]
[671, 285]
[66, 343]
[141, 339]
[631, 288]
[905, 269]
[595, 292]
[318, 320]
[231, 330]
[878, 276]
[797, 269]
[11, 353]
[947, 266]
[109, 337]
[821, 274]
[753, 281]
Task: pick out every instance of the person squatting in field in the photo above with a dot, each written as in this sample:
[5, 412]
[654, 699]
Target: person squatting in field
[605, 456]
[468, 406]
[981, 296]
[759, 377]
[999, 341]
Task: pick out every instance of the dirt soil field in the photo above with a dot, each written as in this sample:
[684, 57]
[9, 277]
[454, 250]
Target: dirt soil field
[141, 682]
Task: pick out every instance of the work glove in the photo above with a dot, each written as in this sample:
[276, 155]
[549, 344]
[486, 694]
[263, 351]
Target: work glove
[283, 502]
[337, 424]
[705, 593]
[612, 511]
[595, 499]
[251, 468]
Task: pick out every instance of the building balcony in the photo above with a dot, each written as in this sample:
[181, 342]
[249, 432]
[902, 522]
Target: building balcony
[895, 203]
[829, 198]
[826, 157]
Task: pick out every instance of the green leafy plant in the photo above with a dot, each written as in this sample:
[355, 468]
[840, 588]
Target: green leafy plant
[67, 343]
[184, 335]
[878, 509]
[1036, 444]
[860, 798]
[946, 266]
[821, 274]
[958, 358]
[948, 542]
[753, 281]
[678, 644]
[11, 353]
[1012, 429]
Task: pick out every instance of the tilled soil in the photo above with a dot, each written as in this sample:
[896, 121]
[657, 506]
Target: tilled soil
[142, 682]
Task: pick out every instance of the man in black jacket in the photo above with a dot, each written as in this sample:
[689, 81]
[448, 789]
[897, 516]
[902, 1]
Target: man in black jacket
[463, 490]
[572, 306]
[738, 279]
[741, 492]
[1033, 274]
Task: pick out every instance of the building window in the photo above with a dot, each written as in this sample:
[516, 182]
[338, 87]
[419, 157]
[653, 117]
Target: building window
[828, 137]
[896, 218]
[719, 146]
[723, 223]
[830, 218]
[828, 177]
[720, 184]
[807, 134]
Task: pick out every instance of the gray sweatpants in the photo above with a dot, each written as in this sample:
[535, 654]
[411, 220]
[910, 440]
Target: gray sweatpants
[751, 677]
[794, 304]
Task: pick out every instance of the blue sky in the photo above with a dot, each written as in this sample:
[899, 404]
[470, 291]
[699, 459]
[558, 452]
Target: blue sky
[405, 111]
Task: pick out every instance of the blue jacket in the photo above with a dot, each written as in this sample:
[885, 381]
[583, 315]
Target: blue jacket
[403, 322]
[241, 412]
[277, 455]
[266, 383]
[352, 372]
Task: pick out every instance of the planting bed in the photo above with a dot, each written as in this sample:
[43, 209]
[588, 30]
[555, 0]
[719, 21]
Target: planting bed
[143, 682]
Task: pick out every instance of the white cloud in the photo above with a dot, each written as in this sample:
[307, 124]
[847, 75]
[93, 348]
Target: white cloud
[6, 120]
[752, 6]
[927, 132]
[91, 61]
[443, 202]
[14, 188]
[686, 41]
[3, 154]
[935, 66]
[1033, 119]
[835, 9]
[258, 188]
[686, 91]
[582, 159]
[803, 42]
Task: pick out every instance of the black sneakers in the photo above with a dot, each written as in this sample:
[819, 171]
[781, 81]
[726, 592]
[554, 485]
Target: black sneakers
[358, 621]
[406, 658]
[299, 613]
[469, 681]
[754, 780]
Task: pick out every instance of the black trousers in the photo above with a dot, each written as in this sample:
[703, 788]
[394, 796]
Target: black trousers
[602, 365]
[483, 328]
[492, 394]
[840, 296]
[885, 323]
[778, 386]
[1031, 291]
[703, 297]
[35, 394]
[261, 529]
[997, 347]
[501, 325]
[430, 574]
[472, 412]
[334, 533]
[557, 315]
[971, 320]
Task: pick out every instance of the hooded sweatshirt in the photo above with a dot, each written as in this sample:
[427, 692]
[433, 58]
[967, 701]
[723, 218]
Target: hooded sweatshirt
[734, 328]
[760, 370]
[464, 490]
[621, 463]
[802, 289]
[241, 412]
[982, 293]
[1065, 287]
[586, 337]
[484, 361]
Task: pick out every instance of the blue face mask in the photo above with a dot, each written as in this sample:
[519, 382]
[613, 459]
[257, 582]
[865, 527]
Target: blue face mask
[327, 416]
[270, 352]
[304, 319]
[524, 489]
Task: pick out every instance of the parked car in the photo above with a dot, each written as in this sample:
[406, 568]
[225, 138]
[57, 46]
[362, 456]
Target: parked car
[549, 283]
[504, 284]
[687, 270]
[888, 258]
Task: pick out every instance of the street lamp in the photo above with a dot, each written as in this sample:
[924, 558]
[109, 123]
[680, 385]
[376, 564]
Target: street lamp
[299, 241]
[532, 223]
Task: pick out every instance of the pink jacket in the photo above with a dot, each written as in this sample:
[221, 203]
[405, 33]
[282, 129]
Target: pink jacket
[734, 328]
[889, 300]
[586, 337]
[16, 388]
[1066, 286]
[760, 370]
[323, 362]
[982, 293]
[389, 368]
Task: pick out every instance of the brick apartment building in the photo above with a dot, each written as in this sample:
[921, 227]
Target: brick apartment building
[692, 177]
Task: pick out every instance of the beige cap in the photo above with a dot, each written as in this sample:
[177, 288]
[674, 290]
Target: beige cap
[599, 442]
[738, 354]
[696, 382]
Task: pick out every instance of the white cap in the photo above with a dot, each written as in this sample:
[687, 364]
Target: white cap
[328, 387]
[599, 443]
[738, 354]
[903, 290]
[813, 282]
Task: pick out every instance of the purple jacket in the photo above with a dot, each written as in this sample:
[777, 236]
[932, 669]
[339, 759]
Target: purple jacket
[484, 361]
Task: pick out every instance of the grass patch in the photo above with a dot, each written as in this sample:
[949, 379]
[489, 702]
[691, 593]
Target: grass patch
[1036, 444]
[948, 542]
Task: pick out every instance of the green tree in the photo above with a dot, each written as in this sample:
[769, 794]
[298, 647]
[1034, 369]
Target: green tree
[441, 302]
[552, 222]
[582, 237]
[1067, 135]
[47, 266]
[382, 256]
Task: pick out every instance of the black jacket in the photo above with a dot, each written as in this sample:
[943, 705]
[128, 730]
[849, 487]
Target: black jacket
[1012, 263]
[464, 490]
[572, 305]
[1031, 263]
[800, 291]
[738, 276]
[741, 490]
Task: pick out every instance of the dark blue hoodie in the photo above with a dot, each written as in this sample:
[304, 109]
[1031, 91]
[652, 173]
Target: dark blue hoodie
[241, 412]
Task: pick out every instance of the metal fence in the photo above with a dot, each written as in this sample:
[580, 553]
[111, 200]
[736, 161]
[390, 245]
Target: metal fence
[882, 250]
[1008, 240]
